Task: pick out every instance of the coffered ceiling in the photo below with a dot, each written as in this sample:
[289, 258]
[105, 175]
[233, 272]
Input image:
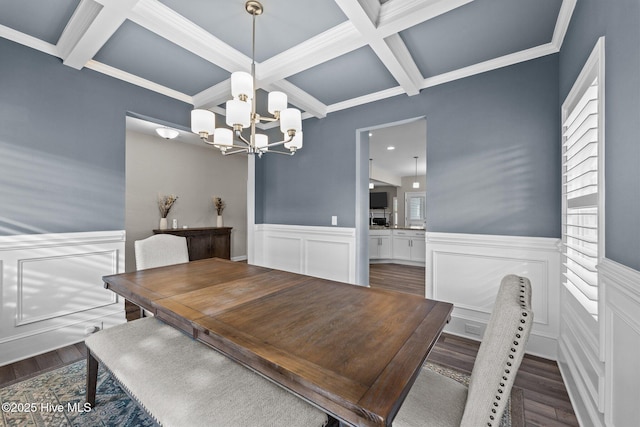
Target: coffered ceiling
[326, 55]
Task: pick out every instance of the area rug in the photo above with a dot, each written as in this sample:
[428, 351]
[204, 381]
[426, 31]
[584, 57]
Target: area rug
[56, 398]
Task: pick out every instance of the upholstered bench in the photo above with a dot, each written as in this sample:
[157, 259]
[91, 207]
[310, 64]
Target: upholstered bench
[181, 382]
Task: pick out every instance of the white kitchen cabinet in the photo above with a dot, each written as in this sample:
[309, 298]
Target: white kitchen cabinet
[379, 244]
[409, 245]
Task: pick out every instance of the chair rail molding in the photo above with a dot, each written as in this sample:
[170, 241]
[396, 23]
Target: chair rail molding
[326, 252]
[52, 292]
[466, 269]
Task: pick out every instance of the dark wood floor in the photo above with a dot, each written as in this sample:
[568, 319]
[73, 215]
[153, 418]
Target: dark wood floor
[546, 402]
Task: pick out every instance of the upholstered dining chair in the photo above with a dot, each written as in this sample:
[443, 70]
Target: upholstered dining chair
[438, 401]
[160, 250]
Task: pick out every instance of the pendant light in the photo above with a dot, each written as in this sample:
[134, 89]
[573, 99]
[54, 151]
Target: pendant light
[416, 184]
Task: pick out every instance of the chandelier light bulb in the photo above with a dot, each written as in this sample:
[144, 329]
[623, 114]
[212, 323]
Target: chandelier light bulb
[277, 101]
[290, 119]
[262, 142]
[241, 85]
[203, 122]
[223, 138]
[238, 113]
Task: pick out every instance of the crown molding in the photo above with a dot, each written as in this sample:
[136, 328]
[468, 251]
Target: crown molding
[365, 99]
[27, 40]
[490, 65]
[138, 81]
[562, 23]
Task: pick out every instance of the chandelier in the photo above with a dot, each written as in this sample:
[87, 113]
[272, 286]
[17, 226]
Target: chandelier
[241, 113]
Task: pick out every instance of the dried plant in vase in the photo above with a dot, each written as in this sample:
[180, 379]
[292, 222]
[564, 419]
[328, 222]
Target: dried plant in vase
[165, 203]
[164, 206]
[219, 204]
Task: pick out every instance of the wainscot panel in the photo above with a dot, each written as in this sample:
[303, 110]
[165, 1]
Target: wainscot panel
[466, 269]
[52, 290]
[326, 252]
[622, 343]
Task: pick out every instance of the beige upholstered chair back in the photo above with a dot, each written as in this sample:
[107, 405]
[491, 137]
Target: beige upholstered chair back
[160, 250]
[500, 354]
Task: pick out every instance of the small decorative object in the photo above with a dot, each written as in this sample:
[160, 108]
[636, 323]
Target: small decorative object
[219, 205]
[164, 206]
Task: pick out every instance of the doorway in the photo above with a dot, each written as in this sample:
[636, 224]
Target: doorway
[386, 160]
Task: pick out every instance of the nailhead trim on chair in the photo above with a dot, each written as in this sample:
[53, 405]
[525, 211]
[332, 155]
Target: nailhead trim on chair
[516, 342]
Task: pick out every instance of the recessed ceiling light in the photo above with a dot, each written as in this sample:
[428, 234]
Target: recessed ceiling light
[391, 147]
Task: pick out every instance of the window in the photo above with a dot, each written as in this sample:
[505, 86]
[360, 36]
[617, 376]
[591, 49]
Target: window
[582, 167]
[415, 214]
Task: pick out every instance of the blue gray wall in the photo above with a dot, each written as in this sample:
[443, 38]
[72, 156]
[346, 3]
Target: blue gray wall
[62, 143]
[619, 21]
[493, 157]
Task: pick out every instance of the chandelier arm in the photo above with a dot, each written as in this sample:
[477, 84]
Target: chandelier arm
[274, 144]
[285, 153]
[206, 141]
[228, 153]
[242, 138]
[241, 147]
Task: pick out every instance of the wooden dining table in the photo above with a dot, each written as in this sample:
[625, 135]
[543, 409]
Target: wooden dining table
[352, 351]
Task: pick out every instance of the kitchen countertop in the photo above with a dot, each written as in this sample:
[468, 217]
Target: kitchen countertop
[397, 227]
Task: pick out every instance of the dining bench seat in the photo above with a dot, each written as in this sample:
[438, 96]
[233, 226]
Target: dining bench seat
[182, 382]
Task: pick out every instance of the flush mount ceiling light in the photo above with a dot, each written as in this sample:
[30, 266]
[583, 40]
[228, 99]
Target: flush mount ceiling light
[416, 184]
[167, 133]
[241, 113]
[391, 147]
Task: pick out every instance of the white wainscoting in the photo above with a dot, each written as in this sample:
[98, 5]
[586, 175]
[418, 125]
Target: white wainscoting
[622, 343]
[52, 290]
[466, 269]
[599, 358]
[326, 252]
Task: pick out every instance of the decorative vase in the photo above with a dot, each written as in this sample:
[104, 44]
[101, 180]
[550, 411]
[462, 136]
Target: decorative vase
[163, 223]
[219, 222]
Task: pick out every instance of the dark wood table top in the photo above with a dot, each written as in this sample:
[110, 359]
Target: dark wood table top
[353, 351]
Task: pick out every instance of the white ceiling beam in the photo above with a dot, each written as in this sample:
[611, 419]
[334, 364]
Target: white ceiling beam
[299, 98]
[213, 96]
[398, 15]
[106, 22]
[396, 57]
[170, 25]
[393, 53]
[337, 41]
[82, 18]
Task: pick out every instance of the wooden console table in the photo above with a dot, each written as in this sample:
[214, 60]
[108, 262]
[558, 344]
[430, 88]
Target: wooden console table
[204, 242]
